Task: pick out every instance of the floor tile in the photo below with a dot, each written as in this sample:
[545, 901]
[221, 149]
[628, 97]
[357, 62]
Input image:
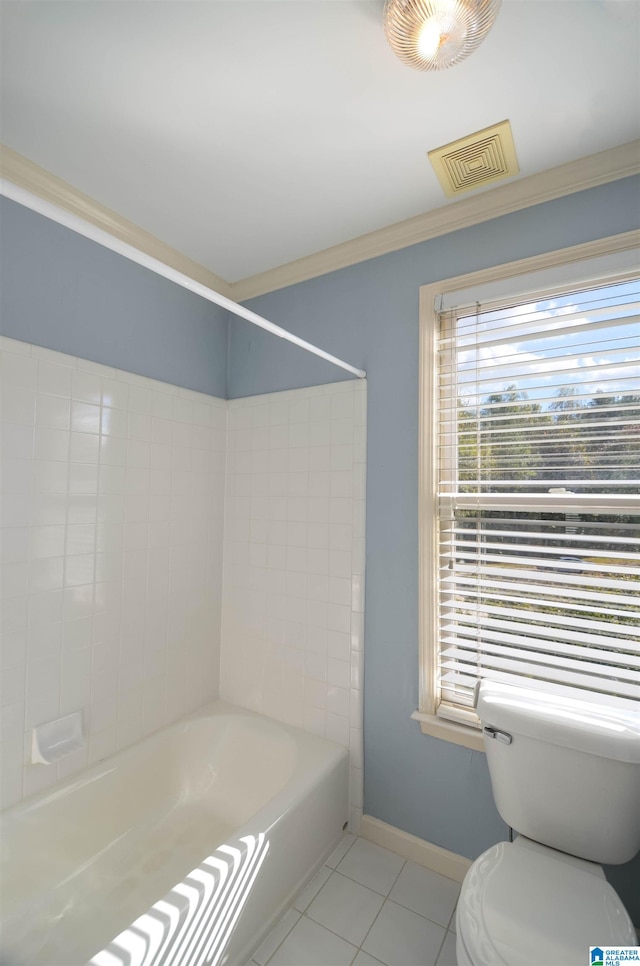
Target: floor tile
[452, 921]
[310, 892]
[397, 911]
[309, 944]
[340, 850]
[346, 908]
[279, 932]
[400, 937]
[364, 959]
[426, 892]
[371, 866]
[447, 955]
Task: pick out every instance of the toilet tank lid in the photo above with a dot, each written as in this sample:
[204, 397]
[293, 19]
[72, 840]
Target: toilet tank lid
[602, 726]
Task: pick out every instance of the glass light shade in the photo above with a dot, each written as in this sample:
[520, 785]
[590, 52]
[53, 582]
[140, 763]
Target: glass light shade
[435, 34]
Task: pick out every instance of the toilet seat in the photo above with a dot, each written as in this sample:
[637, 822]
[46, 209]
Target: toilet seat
[523, 904]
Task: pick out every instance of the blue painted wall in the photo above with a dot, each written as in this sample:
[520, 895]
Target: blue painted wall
[64, 292]
[368, 315]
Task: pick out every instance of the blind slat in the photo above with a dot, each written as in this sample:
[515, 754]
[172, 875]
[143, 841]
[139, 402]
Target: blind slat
[470, 334]
[592, 540]
[469, 559]
[469, 543]
[504, 632]
[461, 675]
[482, 576]
[612, 606]
[468, 610]
[597, 663]
[557, 674]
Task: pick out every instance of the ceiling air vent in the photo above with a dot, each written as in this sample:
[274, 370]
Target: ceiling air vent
[475, 161]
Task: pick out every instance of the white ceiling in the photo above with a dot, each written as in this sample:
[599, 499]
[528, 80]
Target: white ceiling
[248, 133]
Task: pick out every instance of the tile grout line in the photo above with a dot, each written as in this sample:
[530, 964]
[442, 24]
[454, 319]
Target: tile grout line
[384, 902]
[332, 931]
[334, 868]
[385, 898]
[444, 939]
[289, 931]
[328, 928]
[301, 914]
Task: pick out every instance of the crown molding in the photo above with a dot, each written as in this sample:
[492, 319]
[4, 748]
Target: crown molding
[23, 172]
[589, 172]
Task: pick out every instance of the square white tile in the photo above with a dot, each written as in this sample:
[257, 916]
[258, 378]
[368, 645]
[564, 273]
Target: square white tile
[279, 933]
[426, 892]
[400, 937]
[364, 959]
[309, 944]
[346, 908]
[309, 893]
[340, 850]
[447, 955]
[371, 865]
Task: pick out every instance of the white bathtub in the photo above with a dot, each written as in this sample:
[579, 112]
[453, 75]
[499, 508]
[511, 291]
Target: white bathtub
[181, 850]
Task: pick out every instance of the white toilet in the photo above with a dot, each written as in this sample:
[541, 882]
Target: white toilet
[566, 777]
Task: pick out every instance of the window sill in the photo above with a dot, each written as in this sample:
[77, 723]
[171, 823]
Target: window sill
[459, 734]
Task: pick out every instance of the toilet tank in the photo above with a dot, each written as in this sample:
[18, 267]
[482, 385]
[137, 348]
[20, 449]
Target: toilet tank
[570, 776]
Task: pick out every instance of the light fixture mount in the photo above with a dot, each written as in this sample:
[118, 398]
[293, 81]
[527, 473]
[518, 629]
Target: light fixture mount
[436, 34]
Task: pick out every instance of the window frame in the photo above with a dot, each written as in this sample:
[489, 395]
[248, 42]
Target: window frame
[467, 734]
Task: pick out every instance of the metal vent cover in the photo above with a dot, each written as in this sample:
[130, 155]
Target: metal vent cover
[477, 160]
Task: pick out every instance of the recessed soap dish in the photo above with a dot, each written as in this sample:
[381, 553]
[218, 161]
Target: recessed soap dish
[55, 740]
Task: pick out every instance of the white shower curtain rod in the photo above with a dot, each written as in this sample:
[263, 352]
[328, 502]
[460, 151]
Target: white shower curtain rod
[82, 227]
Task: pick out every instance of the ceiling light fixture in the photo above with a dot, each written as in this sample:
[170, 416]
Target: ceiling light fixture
[435, 34]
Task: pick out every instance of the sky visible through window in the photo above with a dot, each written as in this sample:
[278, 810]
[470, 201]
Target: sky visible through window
[577, 323]
[549, 390]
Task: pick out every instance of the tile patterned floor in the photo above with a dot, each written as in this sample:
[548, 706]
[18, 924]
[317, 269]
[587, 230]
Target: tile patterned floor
[366, 907]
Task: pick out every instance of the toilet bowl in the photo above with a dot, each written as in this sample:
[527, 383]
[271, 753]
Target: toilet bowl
[566, 775]
[523, 904]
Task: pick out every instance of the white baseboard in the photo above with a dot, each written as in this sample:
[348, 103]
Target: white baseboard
[411, 847]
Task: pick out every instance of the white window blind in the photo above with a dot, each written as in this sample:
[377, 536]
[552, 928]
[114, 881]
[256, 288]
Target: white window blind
[539, 495]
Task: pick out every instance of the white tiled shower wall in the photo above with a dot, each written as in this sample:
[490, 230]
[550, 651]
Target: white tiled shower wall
[112, 514]
[292, 639]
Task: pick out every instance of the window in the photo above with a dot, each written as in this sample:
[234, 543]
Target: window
[531, 487]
